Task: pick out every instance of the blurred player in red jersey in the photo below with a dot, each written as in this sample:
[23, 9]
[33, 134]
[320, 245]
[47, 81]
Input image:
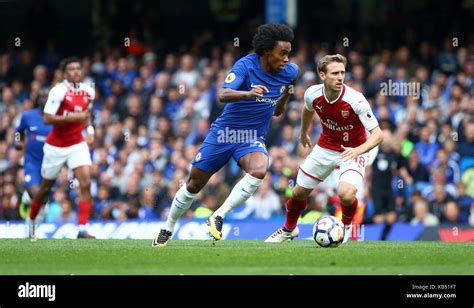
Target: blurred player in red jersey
[345, 116]
[68, 110]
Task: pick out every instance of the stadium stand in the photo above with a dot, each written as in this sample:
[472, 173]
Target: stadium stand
[154, 108]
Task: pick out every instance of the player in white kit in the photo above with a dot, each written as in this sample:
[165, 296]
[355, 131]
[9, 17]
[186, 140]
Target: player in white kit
[345, 116]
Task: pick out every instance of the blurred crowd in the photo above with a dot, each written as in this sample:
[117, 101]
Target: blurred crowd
[152, 113]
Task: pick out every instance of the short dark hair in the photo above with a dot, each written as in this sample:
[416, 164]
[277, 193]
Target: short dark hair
[268, 35]
[67, 61]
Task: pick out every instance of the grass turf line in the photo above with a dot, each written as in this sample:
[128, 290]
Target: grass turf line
[236, 257]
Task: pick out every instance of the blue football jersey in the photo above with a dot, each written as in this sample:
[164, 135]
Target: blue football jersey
[36, 133]
[255, 113]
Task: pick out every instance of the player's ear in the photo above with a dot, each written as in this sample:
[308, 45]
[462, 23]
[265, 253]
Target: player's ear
[322, 75]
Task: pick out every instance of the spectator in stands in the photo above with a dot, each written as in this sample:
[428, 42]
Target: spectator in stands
[147, 203]
[466, 146]
[426, 148]
[67, 212]
[186, 76]
[450, 167]
[384, 167]
[438, 199]
[146, 124]
[422, 215]
[288, 139]
[465, 203]
[451, 213]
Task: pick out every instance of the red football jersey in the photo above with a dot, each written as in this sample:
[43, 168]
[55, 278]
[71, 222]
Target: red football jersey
[344, 120]
[64, 99]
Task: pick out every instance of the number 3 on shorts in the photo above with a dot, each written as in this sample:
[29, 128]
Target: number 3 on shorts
[361, 161]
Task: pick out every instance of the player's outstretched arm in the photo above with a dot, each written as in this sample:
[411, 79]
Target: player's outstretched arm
[227, 95]
[306, 120]
[71, 117]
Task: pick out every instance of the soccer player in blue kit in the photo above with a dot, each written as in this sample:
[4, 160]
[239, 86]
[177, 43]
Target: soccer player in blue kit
[36, 130]
[257, 87]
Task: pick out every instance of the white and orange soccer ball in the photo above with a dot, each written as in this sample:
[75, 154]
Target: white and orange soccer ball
[328, 231]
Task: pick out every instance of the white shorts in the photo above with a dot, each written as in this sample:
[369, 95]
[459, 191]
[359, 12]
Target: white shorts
[55, 157]
[321, 162]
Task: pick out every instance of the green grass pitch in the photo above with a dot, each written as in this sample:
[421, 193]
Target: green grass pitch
[233, 257]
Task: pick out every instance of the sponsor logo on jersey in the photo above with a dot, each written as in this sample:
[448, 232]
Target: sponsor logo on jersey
[332, 125]
[272, 101]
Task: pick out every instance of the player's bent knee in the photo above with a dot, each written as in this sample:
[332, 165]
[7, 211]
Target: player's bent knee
[347, 199]
[300, 193]
[346, 191]
[46, 184]
[347, 195]
[85, 186]
[194, 186]
[258, 173]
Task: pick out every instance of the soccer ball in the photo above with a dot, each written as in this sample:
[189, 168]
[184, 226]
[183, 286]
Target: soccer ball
[328, 231]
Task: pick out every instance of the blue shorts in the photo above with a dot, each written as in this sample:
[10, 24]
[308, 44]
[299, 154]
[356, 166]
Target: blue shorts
[217, 149]
[32, 174]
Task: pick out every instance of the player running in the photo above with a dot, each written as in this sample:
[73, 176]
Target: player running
[256, 88]
[36, 131]
[67, 109]
[345, 116]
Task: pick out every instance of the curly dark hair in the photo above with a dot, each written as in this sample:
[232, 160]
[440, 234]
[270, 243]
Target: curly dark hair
[268, 35]
[67, 61]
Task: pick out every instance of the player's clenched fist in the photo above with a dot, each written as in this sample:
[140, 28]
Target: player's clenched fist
[257, 90]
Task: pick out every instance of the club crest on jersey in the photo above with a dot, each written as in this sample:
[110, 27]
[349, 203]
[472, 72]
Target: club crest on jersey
[345, 113]
[198, 157]
[230, 78]
[259, 145]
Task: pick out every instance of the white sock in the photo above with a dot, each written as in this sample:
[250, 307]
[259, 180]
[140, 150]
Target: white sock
[181, 203]
[25, 198]
[82, 228]
[241, 192]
